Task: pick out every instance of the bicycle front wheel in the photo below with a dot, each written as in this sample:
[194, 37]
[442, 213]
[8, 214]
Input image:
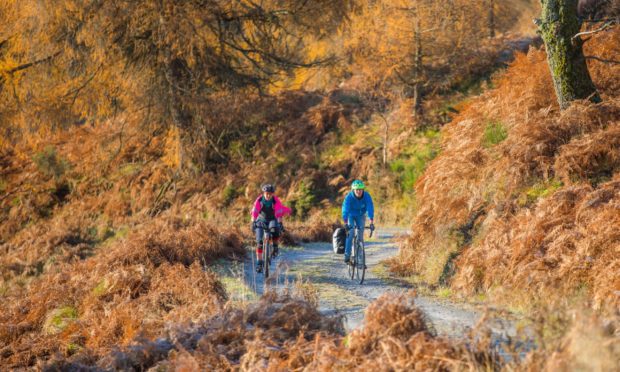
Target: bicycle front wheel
[266, 259]
[360, 262]
[351, 267]
[353, 260]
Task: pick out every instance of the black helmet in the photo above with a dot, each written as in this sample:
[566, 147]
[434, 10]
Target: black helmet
[268, 188]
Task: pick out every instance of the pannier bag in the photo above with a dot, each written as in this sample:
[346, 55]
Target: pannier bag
[338, 241]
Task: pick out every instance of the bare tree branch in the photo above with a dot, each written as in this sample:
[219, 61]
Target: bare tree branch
[33, 63]
[599, 20]
[3, 43]
[605, 26]
[611, 61]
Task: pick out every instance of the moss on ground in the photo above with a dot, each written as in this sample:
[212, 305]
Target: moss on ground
[58, 319]
[494, 133]
[101, 288]
[537, 191]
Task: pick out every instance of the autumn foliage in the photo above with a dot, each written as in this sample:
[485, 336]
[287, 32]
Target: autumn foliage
[131, 288]
[522, 201]
[134, 136]
[287, 333]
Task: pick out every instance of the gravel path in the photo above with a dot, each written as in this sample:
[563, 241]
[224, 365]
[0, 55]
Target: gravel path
[338, 295]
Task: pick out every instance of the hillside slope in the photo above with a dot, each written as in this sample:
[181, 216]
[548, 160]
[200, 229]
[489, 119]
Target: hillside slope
[103, 240]
[523, 201]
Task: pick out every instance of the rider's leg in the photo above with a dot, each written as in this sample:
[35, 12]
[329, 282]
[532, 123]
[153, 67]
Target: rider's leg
[359, 225]
[259, 248]
[349, 242]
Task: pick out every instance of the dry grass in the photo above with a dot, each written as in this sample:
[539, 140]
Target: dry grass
[572, 337]
[568, 244]
[65, 194]
[534, 214]
[317, 228]
[102, 239]
[133, 287]
[125, 253]
[591, 344]
[287, 333]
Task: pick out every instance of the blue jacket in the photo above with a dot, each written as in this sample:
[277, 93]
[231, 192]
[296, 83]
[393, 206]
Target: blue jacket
[352, 206]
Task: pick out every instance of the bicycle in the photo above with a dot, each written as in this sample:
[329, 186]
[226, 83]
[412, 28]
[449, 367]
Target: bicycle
[357, 261]
[268, 252]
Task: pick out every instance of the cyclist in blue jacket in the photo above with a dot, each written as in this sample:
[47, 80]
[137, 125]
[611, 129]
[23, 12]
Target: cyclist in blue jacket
[356, 205]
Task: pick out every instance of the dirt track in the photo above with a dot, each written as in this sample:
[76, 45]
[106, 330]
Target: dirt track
[338, 295]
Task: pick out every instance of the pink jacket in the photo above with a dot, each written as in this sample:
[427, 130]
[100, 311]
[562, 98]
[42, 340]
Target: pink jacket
[279, 209]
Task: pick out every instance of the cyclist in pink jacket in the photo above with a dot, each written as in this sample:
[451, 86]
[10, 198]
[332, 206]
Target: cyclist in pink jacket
[268, 212]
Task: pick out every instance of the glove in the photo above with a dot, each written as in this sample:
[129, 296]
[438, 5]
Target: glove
[281, 227]
[253, 226]
[372, 227]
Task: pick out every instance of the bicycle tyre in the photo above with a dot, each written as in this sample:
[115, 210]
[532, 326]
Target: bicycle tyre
[352, 259]
[360, 262]
[350, 270]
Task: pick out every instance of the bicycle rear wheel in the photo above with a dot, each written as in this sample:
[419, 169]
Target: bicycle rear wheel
[360, 262]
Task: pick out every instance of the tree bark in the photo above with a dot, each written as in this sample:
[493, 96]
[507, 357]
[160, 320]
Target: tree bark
[417, 67]
[571, 78]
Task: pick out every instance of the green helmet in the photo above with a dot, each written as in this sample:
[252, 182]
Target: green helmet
[357, 185]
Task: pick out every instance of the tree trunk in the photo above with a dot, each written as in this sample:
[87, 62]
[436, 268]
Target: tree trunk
[179, 119]
[569, 71]
[417, 68]
[491, 19]
[172, 68]
[386, 140]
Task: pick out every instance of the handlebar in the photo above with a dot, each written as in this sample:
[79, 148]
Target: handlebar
[265, 226]
[365, 227]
